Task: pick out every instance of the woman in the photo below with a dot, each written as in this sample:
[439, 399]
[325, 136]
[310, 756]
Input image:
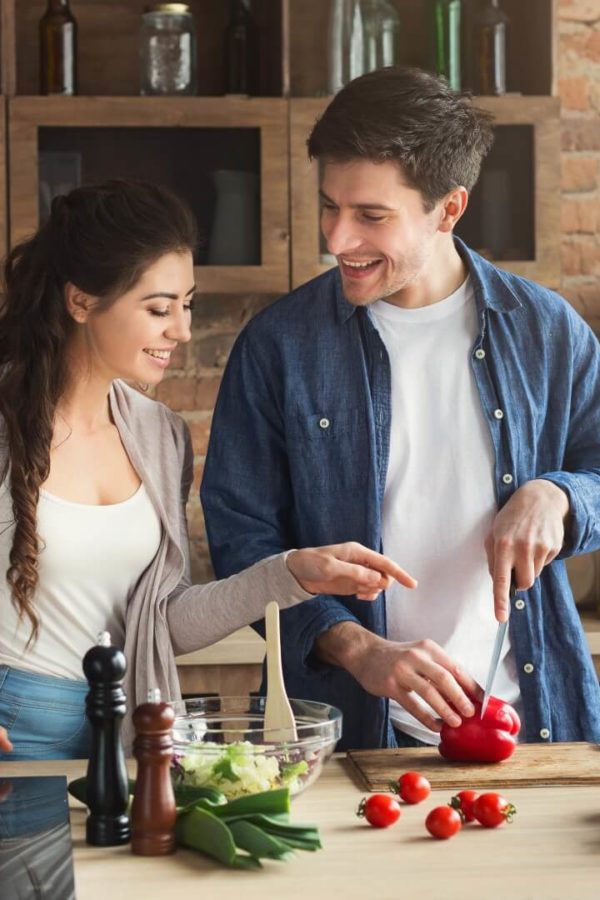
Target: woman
[94, 476]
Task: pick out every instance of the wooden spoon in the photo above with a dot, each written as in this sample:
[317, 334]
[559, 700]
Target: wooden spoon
[280, 724]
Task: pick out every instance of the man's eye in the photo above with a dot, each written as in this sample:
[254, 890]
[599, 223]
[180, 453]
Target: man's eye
[373, 218]
[159, 312]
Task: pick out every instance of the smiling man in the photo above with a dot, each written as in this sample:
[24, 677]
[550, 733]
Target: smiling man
[419, 399]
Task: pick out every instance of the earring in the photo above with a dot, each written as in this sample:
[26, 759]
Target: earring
[142, 387]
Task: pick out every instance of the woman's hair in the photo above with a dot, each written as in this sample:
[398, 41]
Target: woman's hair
[411, 117]
[100, 239]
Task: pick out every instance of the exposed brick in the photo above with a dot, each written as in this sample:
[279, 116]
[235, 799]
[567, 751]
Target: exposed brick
[581, 134]
[178, 393]
[590, 256]
[583, 45]
[230, 310]
[198, 473]
[179, 357]
[200, 432]
[579, 173]
[207, 389]
[212, 350]
[571, 258]
[580, 215]
[584, 297]
[574, 93]
[579, 10]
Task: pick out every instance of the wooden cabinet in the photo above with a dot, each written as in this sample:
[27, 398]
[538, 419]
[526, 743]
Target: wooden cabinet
[513, 217]
[178, 141]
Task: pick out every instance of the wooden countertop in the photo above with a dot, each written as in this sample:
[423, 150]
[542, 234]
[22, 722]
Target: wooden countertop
[551, 851]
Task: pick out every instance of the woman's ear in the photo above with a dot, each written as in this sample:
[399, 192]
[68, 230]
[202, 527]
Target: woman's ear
[77, 302]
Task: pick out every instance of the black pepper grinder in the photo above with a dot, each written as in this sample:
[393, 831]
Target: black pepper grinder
[107, 789]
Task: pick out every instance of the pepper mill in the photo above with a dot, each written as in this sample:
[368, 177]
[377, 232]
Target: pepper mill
[153, 812]
[107, 789]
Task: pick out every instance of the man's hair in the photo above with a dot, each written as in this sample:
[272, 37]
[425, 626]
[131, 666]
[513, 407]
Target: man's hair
[436, 135]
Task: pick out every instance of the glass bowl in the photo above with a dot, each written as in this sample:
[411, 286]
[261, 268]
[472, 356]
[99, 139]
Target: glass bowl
[221, 742]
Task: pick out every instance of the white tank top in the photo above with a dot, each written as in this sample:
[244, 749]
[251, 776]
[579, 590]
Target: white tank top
[439, 501]
[90, 561]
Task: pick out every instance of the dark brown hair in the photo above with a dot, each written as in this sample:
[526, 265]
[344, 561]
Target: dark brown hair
[436, 135]
[101, 239]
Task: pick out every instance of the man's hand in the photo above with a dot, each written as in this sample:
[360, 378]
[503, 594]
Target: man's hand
[527, 534]
[346, 569]
[5, 744]
[402, 672]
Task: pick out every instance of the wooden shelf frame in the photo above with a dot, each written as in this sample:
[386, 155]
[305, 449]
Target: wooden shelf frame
[269, 115]
[541, 113]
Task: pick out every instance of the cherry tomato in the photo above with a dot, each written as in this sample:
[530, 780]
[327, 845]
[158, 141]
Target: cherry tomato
[463, 802]
[492, 810]
[380, 810]
[413, 787]
[443, 822]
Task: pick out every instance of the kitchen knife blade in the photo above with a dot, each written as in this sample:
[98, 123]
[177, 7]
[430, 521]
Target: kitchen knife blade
[498, 643]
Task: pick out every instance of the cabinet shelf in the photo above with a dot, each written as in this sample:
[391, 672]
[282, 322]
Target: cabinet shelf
[38, 123]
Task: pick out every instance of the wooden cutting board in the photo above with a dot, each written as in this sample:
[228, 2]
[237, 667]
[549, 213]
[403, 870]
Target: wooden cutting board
[530, 765]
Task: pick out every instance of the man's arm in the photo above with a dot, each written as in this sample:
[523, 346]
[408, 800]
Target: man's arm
[246, 491]
[558, 513]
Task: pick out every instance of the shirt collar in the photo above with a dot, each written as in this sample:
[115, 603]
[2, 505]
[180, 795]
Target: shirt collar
[492, 286]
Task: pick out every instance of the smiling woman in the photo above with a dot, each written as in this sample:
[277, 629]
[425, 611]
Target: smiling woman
[94, 476]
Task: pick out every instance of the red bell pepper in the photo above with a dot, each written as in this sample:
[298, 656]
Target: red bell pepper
[490, 739]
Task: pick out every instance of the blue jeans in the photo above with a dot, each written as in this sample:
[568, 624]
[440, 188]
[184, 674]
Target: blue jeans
[44, 716]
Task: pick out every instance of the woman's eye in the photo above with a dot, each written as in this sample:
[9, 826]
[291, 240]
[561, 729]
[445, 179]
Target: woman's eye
[159, 312]
[189, 306]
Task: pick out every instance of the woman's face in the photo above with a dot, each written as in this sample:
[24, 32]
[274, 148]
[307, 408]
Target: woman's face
[135, 336]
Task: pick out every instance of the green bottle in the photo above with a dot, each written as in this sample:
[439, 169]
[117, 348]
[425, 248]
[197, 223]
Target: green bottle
[446, 25]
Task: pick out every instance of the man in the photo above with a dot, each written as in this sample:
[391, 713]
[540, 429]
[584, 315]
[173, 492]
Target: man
[419, 399]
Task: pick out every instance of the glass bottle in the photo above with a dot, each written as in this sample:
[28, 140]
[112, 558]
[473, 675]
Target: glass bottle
[58, 49]
[346, 44]
[167, 50]
[381, 26]
[445, 34]
[491, 27]
[241, 51]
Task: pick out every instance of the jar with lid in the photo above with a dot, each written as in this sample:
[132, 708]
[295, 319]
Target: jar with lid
[381, 25]
[167, 50]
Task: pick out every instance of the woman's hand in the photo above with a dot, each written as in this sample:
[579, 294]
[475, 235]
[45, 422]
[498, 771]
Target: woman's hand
[346, 569]
[5, 744]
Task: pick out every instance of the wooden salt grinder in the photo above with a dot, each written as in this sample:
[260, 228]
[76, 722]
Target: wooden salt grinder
[107, 790]
[153, 811]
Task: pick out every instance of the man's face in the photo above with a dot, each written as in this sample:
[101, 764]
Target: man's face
[377, 228]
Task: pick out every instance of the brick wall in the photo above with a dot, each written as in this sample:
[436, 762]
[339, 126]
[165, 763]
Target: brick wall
[579, 88]
[194, 378]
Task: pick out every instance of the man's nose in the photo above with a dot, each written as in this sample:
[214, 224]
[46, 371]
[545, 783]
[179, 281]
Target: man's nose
[342, 235]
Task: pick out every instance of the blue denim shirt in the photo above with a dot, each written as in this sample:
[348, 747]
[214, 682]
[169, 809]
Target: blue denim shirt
[298, 457]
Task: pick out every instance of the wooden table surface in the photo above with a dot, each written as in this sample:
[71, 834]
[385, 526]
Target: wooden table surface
[552, 850]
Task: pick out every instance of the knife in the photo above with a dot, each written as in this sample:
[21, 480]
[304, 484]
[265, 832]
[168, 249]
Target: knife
[498, 644]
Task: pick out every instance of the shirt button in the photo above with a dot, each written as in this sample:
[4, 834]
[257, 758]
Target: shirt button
[528, 668]
[519, 604]
[544, 734]
[507, 478]
[324, 423]
[498, 414]
[479, 353]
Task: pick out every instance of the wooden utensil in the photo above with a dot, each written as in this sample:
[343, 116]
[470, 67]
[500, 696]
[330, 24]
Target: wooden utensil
[530, 766]
[279, 718]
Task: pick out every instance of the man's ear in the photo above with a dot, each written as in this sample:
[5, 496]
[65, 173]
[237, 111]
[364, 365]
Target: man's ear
[78, 303]
[453, 207]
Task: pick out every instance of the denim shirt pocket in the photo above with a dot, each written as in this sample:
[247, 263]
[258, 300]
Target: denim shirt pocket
[326, 425]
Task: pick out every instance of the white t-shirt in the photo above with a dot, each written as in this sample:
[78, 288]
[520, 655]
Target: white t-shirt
[439, 501]
[91, 559]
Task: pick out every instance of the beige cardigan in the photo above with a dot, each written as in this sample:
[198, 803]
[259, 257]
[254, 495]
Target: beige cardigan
[166, 614]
